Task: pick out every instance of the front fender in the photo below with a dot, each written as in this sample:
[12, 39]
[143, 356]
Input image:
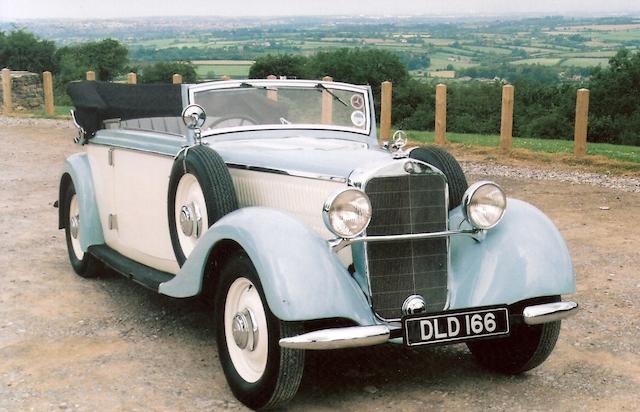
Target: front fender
[77, 167]
[523, 257]
[301, 277]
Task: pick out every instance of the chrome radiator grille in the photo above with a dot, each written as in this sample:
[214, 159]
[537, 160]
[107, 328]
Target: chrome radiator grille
[402, 205]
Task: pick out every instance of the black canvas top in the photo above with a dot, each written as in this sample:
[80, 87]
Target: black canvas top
[97, 101]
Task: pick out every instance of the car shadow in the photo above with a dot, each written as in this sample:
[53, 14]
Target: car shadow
[330, 376]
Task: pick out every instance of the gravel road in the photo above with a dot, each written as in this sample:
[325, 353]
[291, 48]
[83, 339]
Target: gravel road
[68, 343]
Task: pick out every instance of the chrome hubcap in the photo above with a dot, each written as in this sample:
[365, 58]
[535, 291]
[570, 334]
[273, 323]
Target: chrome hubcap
[413, 305]
[190, 220]
[245, 330]
[74, 226]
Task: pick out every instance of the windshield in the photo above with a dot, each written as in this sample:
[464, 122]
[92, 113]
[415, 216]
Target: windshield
[256, 105]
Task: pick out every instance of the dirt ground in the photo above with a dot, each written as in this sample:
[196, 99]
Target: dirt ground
[109, 344]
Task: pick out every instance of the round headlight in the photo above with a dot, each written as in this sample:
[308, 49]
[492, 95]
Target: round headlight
[347, 213]
[483, 204]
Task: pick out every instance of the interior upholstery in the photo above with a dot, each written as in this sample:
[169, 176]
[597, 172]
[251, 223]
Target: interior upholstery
[172, 124]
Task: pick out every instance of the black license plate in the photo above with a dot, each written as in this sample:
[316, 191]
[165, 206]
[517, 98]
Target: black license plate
[455, 326]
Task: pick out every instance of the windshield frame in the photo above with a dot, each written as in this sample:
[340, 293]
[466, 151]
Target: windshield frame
[310, 84]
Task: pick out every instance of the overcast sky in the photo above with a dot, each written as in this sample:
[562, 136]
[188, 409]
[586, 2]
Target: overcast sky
[22, 9]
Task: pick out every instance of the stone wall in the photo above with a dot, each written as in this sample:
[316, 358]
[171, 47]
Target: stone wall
[26, 89]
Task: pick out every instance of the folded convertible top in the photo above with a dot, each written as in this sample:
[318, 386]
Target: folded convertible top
[97, 101]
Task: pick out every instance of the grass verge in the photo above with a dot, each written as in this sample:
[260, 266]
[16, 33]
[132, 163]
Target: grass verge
[602, 156]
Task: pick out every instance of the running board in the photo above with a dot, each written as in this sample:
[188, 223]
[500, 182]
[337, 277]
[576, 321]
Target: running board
[139, 273]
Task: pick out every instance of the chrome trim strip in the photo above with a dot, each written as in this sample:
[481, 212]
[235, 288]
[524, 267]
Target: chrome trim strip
[339, 338]
[134, 149]
[549, 312]
[288, 172]
[340, 243]
[295, 173]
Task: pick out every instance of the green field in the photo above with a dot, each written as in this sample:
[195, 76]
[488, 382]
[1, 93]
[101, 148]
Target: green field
[571, 43]
[546, 61]
[616, 152]
[215, 69]
[585, 62]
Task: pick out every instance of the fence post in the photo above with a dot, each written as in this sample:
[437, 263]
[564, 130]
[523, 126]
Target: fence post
[582, 121]
[506, 121]
[385, 110]
[272, 94]
[441, 114]
[6, 91]
[176, 78]
[91, 75]
[47, 85]
[327, 103]
[132, 78]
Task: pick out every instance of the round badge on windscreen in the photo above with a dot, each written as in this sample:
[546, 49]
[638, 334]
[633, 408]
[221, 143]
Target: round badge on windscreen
[357, 101]
[358, 118]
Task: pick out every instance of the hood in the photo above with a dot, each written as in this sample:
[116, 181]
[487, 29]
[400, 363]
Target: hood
[334, 158]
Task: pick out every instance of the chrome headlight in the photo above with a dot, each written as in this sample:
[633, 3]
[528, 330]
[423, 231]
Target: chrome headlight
[347, 213]
[483, 204]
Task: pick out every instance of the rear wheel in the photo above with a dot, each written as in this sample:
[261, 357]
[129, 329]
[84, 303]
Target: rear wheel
[83, 264]
[260, 373]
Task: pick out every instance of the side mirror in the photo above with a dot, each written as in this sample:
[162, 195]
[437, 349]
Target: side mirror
[194, 116]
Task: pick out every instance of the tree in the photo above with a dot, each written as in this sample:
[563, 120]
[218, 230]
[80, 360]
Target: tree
[21, 50]
[615, 100]
[108, 58]
[359, 66]
[288, 65]
[162, 72]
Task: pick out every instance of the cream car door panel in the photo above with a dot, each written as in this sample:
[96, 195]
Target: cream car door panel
[142, 181]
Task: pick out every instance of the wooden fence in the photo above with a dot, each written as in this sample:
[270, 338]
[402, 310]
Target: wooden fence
[506, 123]
[440, 126]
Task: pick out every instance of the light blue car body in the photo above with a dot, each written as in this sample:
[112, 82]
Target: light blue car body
[523, 257]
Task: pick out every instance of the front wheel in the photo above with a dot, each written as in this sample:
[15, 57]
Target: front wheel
[260, 373]
[526, 347]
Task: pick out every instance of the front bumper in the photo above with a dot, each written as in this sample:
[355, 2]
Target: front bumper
[339, 338]
[358, 336]
[549, 312]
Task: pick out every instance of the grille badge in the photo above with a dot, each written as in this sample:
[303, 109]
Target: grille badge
[414, 305]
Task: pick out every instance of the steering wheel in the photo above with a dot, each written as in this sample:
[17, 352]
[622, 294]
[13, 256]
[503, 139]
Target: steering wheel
[241, 119]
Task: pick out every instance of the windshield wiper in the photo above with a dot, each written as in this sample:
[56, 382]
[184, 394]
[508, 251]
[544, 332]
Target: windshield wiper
[321, 86]
[251, 86]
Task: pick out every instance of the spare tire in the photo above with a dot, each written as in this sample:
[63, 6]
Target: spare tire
[447, 164]
[200, 193]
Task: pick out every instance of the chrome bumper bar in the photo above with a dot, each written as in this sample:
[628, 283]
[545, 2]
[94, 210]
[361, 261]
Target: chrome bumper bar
[549, 312]
[341, 243]
[338, 338]
[357, 336]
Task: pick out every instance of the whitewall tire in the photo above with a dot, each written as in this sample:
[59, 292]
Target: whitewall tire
[260, 373]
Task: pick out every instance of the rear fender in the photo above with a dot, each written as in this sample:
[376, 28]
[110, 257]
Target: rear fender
[302, 278]
[523, 257]
[76, 169]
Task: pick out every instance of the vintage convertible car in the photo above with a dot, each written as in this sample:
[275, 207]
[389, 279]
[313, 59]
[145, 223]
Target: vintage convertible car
[274, 200]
